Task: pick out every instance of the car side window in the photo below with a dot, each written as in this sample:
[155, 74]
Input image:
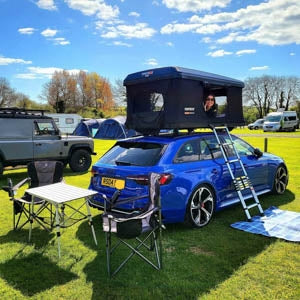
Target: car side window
[210, 148]
[242, 147]
[44, 128]
[188, 152]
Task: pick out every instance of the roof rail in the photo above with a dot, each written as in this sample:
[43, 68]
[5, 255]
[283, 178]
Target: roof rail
[16, 111]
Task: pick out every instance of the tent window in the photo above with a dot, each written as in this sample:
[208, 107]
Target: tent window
[69, 121]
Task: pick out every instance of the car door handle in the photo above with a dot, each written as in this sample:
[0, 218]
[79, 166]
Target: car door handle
[214, 171]
[38, 144]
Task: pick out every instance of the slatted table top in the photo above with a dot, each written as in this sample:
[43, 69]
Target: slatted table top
[58, 193]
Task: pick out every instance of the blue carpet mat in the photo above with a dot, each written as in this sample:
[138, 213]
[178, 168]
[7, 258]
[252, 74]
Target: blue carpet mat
[278, 223]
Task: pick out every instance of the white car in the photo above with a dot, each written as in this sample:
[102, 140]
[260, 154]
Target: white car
[281, 121]
[258, 124]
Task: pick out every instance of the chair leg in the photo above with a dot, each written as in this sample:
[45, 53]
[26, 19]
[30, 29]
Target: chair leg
[108, 250]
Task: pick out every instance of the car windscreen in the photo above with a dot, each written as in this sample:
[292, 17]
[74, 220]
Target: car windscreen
[273, 118]
[133, 154]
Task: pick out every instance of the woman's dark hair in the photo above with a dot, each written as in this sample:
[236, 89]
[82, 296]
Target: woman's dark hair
[212, 112]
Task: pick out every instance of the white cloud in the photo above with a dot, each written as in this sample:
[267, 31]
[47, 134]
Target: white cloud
[94, 7]
[118, 43]
[292, 54]
[61, 41]
[246, 51]
[26, 30]
[194, 5]
[151, 62]
[259, 68]
[49, 32]
[272, 22]
[219, 53]
[41, 73]
[26, 76]
[46, 4]
[206, 40]
[139, 31]
[134, 14]
[4, 61]
[155, 3]
[170, 44]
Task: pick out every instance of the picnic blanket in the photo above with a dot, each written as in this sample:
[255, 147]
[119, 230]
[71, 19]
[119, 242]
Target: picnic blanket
[278, 223]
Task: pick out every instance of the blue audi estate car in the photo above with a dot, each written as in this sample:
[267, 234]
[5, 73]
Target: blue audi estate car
[195, 181]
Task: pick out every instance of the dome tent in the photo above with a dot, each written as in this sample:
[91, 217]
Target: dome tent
[87, 127]
[114, 129]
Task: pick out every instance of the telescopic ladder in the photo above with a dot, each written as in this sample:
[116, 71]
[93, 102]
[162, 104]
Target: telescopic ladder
[242, 182]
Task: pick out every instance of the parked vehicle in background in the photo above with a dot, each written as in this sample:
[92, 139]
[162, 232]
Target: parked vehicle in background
[28, 135]
[258, 124]
[66, 122]
[195, 181]
[281, 121]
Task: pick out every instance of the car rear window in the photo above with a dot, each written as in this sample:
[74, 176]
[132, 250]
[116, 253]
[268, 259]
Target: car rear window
[133, 154]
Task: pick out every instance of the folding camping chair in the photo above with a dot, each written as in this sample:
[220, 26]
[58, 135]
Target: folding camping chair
[40, 173]
[143, 225]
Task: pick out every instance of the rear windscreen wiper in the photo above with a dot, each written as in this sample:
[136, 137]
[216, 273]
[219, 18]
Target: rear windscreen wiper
[122, 163]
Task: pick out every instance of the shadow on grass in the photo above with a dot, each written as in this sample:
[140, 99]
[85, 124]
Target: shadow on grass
[26, 274]
[39, 237]
[194, 260]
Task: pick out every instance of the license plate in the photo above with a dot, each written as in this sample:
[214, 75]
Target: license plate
[112, 182]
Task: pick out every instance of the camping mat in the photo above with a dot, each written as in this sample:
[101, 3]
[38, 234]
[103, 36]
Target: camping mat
[275, 223]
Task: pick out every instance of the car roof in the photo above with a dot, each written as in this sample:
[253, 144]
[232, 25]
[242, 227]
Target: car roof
[167, 139]
[179, 72]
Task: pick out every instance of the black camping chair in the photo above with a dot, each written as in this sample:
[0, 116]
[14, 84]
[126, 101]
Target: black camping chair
[144, 226]
[40, 173]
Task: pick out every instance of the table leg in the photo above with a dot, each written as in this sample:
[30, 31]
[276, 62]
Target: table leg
[90, 220]
[57, 225]
[30, 217]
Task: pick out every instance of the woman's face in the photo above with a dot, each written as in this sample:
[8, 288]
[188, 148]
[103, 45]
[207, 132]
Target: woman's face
[209, 101]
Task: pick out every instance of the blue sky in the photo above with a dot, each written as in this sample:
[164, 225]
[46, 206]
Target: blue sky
[238, 39]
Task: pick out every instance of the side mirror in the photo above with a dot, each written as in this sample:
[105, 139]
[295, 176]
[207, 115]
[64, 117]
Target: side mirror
[257, 153]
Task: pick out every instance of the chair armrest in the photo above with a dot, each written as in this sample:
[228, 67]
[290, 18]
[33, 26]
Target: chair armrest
[20, 184]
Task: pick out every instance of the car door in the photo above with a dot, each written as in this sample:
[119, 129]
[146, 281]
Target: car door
[200, 161]
[46, 141]
[256, 167]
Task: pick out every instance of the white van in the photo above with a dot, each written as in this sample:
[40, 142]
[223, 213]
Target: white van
[281, 121]
[66, 122]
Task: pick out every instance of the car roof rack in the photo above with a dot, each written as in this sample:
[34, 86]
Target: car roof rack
[19, 112]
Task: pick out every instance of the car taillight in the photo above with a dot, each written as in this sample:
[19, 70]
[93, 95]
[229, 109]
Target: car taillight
[140, 179]
[144, 180]
[165, 179]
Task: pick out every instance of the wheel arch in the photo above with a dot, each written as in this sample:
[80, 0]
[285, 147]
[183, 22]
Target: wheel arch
[79, 147]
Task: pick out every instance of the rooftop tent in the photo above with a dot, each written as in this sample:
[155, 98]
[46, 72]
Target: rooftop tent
[87, 127]
[173, 97]
[114, 129]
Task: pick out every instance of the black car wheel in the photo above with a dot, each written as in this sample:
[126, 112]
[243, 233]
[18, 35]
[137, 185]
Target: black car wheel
[80, 160]
[255, 127]
[280, 181]
[201, 206]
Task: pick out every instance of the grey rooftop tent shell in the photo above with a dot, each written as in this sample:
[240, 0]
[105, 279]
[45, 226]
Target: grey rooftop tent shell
[183, 92]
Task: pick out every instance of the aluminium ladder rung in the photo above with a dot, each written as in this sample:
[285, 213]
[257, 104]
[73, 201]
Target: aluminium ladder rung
[233, 160]
[252, 205]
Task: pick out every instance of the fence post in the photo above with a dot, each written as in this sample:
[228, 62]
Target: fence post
[266, 145]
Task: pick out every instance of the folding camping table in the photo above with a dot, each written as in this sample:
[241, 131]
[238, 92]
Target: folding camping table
[59, 194]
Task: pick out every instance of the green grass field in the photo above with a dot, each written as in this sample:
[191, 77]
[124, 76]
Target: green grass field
[216, 262]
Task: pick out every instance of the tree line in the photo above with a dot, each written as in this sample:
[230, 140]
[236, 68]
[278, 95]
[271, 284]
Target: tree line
[66, 92]
[268, 93]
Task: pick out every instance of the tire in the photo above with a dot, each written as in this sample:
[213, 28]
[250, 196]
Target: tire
[80, 160]
[201, 206]
[280, 180]
[255, 127]
[1, 167]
